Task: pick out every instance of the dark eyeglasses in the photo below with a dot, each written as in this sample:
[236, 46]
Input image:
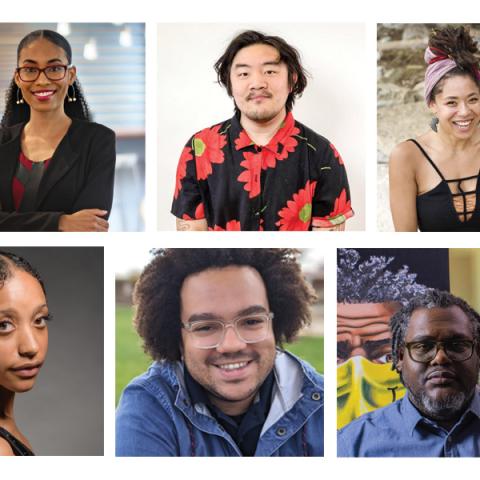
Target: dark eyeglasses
[426, 351]
[52, 72]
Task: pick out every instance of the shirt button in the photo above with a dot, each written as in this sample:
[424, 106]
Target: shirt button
[281, 431]
[316, 396]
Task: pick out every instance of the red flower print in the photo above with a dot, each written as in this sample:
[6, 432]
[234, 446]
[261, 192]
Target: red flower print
[288, 143]
[231, 225]
[182, 168]
[340, 207]
[207, 146]
[337, 154]
[251, 176]
[243, 140]
[297, 214]
[199, 213]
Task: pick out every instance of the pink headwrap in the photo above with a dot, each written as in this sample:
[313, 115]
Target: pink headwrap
[439, 64]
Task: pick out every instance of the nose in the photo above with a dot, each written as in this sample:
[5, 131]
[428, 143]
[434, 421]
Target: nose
[257, 80]
[27, 344]
[44, 79]
[463, 108]
[231, 342]
[441, 357]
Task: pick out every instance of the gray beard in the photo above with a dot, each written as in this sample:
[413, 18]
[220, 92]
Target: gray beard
[443, 409]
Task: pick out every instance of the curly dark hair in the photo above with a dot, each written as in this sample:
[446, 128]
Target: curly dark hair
[10, 261]
[157, 292]
[20, 113]
[297, 75]
[459, 45]
[431, 299]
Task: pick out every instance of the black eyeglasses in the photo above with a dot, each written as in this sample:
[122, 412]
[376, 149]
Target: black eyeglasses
[426, 351]
[52, 72]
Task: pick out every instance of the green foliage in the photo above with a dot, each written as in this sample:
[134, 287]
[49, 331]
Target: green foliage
[131, 361]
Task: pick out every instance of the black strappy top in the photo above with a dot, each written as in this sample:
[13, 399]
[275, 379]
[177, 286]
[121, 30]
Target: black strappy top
[436, 211]
[19, 449]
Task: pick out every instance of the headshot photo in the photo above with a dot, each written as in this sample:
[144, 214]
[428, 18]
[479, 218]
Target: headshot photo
[428, 127]
[69, 136]
[260, 134]
[51, 351]
[408, 354]
[236, 339]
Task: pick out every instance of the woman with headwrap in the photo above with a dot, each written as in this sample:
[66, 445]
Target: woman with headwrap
[434, 178]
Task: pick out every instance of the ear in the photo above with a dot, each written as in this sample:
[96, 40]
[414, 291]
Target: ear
[399, 365]
[433, 107]
[16, 78]
[294, 82]
[72, 75]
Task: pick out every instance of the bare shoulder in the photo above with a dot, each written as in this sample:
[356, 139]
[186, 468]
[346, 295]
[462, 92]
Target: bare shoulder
[5, 449]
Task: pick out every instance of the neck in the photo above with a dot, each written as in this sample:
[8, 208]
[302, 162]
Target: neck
[7, 398]
[453, 142]
[45, 123]
[232, 408]
[262, 132]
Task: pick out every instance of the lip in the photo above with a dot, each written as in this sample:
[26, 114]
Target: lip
[43, 95]
[237, 373]
[441, 377]
[257, 98]
[28, 370]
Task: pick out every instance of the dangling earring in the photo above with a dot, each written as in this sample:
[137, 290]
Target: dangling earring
[433, 124]
[20, 99]
[72, 98]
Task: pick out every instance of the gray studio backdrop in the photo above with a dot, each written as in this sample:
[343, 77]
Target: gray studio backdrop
[63, 413]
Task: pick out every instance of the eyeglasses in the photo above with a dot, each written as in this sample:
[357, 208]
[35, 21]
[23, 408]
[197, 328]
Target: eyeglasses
[456, 350]
[211, 333]
[52, 72]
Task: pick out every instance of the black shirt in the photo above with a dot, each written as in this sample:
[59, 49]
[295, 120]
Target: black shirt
[296, 181]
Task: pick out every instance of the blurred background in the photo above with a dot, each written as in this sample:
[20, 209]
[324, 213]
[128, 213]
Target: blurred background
[110, 61]
[132, 361]
[401, 109]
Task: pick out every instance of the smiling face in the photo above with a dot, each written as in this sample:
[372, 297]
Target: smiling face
[259, 83]
[442, 388]
[234, 371]
[23, 331]
[457, 106]
[44, 95]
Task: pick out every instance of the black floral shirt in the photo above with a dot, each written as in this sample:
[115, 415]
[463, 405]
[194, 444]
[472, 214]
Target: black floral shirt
[296, 182]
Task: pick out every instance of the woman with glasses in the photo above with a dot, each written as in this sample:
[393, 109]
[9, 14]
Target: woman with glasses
[56, 165]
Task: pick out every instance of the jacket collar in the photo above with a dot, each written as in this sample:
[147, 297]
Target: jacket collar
[62, 160]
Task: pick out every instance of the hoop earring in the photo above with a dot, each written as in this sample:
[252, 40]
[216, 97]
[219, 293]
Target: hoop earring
[20, 99]
[433, 124]
[72, 98]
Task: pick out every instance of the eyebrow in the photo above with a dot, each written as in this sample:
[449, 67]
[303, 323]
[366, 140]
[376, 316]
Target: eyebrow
[427, 338]
[264, 64]
[53, 60]
[202, 317]
[13, 312]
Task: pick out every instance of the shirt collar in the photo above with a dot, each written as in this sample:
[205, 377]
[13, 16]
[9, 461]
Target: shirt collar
[412, 417]
[285, 130]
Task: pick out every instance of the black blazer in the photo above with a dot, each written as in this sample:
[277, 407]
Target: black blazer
[80, 175]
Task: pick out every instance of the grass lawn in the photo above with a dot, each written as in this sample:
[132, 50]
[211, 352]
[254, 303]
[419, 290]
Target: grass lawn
[131, 361]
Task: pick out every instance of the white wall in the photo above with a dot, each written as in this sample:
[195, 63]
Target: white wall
[333, 103]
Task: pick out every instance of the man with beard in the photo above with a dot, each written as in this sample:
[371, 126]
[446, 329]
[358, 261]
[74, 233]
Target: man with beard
[261, 169]
[435, 348]
[214, 320]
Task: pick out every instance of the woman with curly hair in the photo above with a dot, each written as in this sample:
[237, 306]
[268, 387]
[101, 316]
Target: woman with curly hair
[56, 165]
[434, 178]
[23, 343]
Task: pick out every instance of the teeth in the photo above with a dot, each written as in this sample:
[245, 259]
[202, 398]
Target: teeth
[463, 124]
[43, 94]
[233, 366]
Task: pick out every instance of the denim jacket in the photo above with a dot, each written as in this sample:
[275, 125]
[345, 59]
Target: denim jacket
[155, 416]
